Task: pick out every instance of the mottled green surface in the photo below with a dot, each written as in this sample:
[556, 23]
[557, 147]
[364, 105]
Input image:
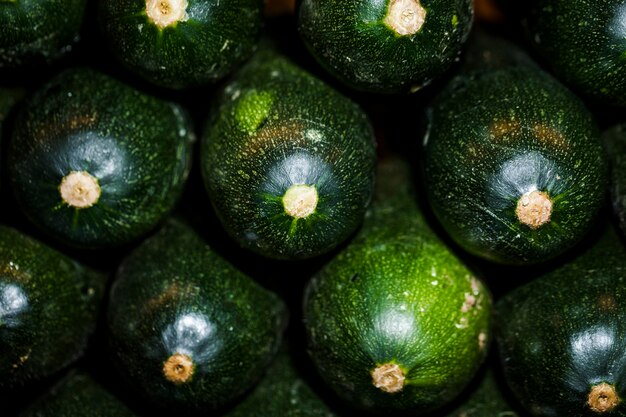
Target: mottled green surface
[275, 126]
[350, 39]
[495, 134]
[486, 400]
[614, 140]
[217, 38]
[397, 294]
[48, 307]
[282, 393]
[137, 146]
[78, 395]
[38, 31]
[175, 295]
[565, 332]
[584, 42]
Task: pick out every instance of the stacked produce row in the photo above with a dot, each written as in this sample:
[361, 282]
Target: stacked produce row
[327, 208]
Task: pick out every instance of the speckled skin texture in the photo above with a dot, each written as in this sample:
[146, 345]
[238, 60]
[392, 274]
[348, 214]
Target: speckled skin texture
[216, 39]
[486, 400]
[78, 395]
[275, 126]
[564, 332]
[497, 133]
[138, 147]
[38, 31]
[175, 295]
[350, 39]
[48, 308]
[584, 42]
[614, 140]
[282, 392]
[397, 294]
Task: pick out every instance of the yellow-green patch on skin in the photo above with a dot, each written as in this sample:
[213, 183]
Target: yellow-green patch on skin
[455, 20]
[252, 110]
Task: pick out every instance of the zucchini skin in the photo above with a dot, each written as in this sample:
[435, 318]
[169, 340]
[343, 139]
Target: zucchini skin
[38, 31]
[497, 133]
[274, 126]
[215, 40]
[174, 294]
[563, 332]
[397, 294]
[137, 146]
[614, 140]
[282, 392]
[78, 395]
[583, 43]
[48, 309]
[350, 39]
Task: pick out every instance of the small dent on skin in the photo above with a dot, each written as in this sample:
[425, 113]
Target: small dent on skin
[405, 17]
[482, 340]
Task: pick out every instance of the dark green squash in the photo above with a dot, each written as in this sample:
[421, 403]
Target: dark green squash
[181, 43]
[385, 46]
[282, 392]
[188, 330]
[615, 145]
[48, 309]
[486, 400]
[288, 162]
[97, 163]
[78, 395]
[583, 42]
[35, 32]
[561, 337]
[513, 163]
[396, 321]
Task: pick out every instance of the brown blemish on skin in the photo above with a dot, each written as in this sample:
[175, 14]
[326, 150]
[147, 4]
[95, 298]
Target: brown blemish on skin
[602, 398]
[388, 378]
[405, 17]
[502, 129]
[607, 302]
[469, 303]
[549, 136]
[178, 368]
[534, 209]
[22, 359]
[482, 340]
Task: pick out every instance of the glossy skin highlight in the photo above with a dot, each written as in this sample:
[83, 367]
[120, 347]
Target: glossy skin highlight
[497, 134]
[135, 147]
[204, 44]
[175, 298]
[276, 127]
[48, 308]
[389, 46]
[396, 299]
[561, 337]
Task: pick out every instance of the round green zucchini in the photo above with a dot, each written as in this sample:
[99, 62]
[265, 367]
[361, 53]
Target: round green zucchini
[78, 395]
[35, 32]
[561, 336]
[96, 163]
[181, 43]
[288, 162]
[513, 164]
[396, 321]
[583, 42]
[187, 330]
[48, 309]
[387, 46]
